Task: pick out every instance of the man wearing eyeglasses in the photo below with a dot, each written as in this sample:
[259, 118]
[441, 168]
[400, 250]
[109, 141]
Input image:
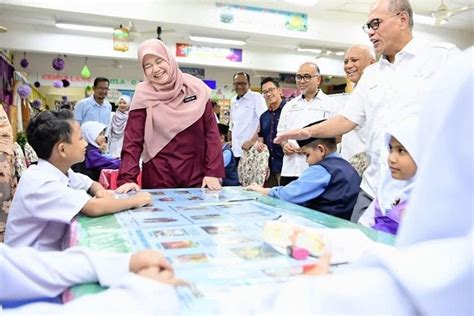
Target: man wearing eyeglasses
[96, 107]
[267, 129]
[311, 106]
[245, 111]
[389, 89]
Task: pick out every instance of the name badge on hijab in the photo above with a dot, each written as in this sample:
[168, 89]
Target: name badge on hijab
[190, 98]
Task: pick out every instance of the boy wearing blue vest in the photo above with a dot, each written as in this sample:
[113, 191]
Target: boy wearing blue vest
[231, 175]
[330, 184]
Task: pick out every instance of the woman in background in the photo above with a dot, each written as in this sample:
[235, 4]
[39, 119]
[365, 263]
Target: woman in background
[117, 126]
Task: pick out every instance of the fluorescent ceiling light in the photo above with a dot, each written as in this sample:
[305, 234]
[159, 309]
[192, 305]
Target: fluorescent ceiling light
[216, 40]
[424, 19]
[302, 2]
[308, 50]
[339, 53]
[87, 28]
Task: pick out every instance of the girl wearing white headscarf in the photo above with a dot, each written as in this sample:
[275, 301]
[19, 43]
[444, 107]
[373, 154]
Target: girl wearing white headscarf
[94, 134]
[117, 126]
[397, 178]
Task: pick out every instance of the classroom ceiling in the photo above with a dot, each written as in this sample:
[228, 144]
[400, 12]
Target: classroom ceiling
[327, 10]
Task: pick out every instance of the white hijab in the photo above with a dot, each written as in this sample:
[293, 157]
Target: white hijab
[430, 272]
[119, 121]
[91, 130]
[390, 190]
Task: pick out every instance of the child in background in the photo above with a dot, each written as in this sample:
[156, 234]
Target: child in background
[231, 176]
[117, 126]
[397, 179]
[94, 134]
[330, 184]
[50, 194]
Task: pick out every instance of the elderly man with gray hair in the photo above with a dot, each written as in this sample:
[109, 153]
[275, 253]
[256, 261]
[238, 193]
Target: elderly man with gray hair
[388, 89]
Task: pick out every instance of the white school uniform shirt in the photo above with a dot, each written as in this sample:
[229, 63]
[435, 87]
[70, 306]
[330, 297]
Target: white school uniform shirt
[30, 274]
[298, 113]
[244, 118]
[430, 271]
[44, 204]
[389, 91]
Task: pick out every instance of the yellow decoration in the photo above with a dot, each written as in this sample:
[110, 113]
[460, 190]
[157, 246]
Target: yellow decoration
[121, 39]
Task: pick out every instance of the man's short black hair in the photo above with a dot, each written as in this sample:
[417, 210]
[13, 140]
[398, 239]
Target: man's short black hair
[270, 79]
[48, 128]
[241, 74]
[100, 79]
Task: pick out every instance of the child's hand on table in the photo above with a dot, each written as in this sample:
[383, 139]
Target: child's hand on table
[149, 258]
[163, 276]
[257, 188]
[127, 187]
[142, 199]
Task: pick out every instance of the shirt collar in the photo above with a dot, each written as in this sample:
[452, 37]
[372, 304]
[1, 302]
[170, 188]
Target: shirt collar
[413, 47]
[95, 102]
[317, 96]
[282, 103]
[244, 96]
[53, 171]
[334, 154]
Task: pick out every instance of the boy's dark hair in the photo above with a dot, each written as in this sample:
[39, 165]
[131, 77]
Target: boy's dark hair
[270, 79]
[223, 130]
[330, 142]
[100, 79]
[242, 74]
[47, 129]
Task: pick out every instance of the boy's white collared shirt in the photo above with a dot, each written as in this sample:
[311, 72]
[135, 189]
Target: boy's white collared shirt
[44, 204]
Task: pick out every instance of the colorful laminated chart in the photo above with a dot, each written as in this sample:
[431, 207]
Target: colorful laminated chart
[213, 239]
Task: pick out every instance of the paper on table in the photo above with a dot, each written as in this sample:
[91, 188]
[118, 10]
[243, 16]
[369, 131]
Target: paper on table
[345, 244]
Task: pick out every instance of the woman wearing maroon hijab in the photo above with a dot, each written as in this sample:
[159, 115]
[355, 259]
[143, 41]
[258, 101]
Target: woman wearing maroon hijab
[171, 126]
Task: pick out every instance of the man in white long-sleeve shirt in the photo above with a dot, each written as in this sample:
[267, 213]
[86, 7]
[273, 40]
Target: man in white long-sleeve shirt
[430, 271]
[27, 275]
[392, 88]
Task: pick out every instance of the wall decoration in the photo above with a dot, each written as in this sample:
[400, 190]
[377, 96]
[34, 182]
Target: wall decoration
[24, 62]
[196, 72]
[24, 91]
[208, 53]
[85, 72]
[262, 18]
[66, 83]
[58, 63]
[57, 84]
[120, 38]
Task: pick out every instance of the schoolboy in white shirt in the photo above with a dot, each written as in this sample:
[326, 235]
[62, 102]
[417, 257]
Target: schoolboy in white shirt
[50, 194]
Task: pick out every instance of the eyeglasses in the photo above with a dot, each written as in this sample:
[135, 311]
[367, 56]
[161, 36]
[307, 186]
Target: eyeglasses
[270, 90]
[102, 88]
[375, 23]
[240, 83]
[305, 77]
